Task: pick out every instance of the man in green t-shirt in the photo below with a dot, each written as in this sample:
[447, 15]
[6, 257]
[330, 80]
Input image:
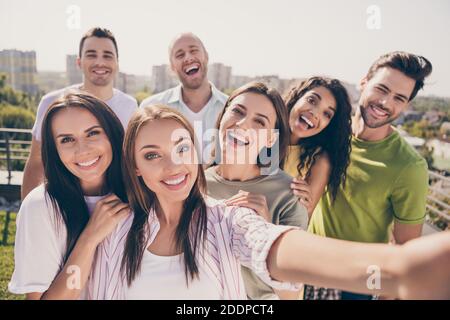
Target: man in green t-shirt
[387, 180]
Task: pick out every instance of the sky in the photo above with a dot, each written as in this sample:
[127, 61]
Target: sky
[289, 38]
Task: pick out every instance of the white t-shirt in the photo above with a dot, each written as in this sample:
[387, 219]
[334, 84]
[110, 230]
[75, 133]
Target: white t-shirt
[195, 118]
[191, 115]
[40, 243]
[122, 104]
[163, 278]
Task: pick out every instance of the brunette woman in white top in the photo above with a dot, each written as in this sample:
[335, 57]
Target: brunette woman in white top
[61, 222]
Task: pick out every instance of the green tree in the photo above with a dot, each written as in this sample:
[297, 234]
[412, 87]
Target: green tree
[228, 91]
[2, 80]
[421, 129]
[141, 95]
[16, 117]
[427, 154]
[425, 104]
[9, 96]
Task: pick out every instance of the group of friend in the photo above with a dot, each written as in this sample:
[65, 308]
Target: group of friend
[128, 202]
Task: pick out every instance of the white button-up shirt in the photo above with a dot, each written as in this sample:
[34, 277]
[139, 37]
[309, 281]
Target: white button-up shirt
[204, 121]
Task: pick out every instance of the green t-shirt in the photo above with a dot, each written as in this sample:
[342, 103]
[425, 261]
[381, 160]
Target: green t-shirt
[387, 180]
[283, 205]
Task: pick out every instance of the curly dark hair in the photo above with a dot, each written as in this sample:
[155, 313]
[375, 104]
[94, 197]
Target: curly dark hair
[334, 140]
[281, 123]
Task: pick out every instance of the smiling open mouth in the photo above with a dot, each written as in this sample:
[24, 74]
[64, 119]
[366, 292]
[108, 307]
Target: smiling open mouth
[304, 123]
[236, 139]
[176, 183]
[100, 72]
[191, 70]
[379, 112]
[88, 164]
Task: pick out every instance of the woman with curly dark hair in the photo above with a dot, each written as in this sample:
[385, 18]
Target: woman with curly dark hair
[319, 151]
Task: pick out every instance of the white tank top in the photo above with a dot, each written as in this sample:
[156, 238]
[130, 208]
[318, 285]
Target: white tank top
[163, 278]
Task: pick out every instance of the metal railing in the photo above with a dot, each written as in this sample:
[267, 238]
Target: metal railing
[14, 150]
[13, 147]
[438, 200]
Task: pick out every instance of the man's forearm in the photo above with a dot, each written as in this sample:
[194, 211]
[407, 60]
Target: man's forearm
[406, 232]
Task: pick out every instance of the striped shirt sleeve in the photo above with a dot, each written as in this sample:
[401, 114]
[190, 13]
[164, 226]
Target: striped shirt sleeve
[251, 239]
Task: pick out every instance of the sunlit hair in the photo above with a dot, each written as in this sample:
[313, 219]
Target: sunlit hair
[334, 140]
[63, 187]
[191, 230]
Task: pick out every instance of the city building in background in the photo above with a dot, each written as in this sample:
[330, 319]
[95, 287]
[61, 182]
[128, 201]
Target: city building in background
[142, 83]
[239, 81]
[51, 80]
[276, 82]
[162, 78]
[220, 75]
[20, 69]
[73, 72]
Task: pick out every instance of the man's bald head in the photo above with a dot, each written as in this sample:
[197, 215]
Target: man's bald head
[183, 36]
[189, 60]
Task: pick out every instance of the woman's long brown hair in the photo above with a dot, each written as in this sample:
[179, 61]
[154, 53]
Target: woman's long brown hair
[62, 186]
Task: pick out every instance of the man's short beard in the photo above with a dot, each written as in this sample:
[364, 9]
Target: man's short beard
[190, 86]
[378, 124]
[101, 83]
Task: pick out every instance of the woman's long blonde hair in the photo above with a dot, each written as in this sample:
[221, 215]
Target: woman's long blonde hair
[191, 229]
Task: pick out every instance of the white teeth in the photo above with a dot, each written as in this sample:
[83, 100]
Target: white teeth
[100, 71]
[307, 121]
[191, 68]
[378, 111]
[241, 140]
[88, 163]
[175, 181]
[237, 137]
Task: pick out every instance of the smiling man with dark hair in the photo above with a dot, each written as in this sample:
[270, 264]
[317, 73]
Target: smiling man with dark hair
[98, 60]
[387, 180]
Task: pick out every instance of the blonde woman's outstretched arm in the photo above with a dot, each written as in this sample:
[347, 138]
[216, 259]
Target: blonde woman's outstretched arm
[419, 269]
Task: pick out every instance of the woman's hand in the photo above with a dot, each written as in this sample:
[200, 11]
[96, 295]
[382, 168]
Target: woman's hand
[424, 267]
[303, 192]
[107, 214]
[253, 201]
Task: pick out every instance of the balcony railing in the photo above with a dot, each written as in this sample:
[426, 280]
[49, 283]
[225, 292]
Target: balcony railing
[438, 200]
[15, 148]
